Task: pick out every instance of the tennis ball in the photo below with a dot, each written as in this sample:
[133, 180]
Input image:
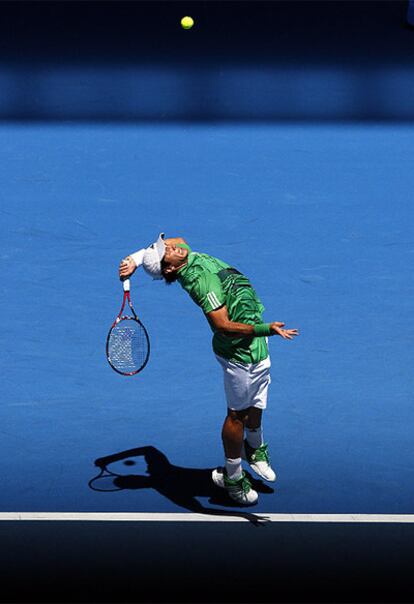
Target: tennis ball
[187, 22]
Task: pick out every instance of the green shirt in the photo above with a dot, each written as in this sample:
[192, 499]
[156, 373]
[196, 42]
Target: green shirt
[212, 284]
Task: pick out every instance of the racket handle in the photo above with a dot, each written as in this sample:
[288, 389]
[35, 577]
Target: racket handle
[126, 285]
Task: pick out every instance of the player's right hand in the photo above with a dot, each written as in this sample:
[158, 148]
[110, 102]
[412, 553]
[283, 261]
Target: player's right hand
[126, 267]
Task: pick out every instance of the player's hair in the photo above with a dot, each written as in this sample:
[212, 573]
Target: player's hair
[168, 278]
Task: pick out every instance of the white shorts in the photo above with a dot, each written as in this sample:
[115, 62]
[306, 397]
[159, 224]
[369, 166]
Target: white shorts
[246, 385]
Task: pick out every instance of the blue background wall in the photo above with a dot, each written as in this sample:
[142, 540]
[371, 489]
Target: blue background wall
[242, 60]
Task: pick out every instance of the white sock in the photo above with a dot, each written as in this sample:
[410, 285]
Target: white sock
[254, 437]
[233, 468]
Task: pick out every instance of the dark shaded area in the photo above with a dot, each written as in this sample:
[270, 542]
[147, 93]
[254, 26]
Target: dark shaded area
[280, 32]
[125, 61]
[181, 486]
[192, 562]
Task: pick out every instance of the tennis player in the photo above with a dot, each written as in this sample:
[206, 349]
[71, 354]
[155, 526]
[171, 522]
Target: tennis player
[240, 343]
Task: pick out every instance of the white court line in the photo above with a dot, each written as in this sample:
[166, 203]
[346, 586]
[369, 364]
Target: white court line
[149, 517]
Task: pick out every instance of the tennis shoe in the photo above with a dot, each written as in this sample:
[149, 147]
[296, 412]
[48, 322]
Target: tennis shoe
[259, 461]
[239, 490]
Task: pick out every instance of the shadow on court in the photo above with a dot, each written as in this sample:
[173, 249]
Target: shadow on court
[180, 485]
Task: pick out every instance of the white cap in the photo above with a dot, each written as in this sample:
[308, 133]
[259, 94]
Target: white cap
[153, 256]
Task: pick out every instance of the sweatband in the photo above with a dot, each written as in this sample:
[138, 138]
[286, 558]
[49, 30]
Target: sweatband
[185, 246]
[138, 257]
[262, 329]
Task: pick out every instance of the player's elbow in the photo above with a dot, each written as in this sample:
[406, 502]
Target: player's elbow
[222, 326]
[219, 319]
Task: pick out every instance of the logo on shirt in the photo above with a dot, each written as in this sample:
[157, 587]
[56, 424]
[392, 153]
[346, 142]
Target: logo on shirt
[212, 298]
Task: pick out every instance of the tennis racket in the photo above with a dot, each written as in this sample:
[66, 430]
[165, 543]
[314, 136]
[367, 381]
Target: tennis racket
[127, 344]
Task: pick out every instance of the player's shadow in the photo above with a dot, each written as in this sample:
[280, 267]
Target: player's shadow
[180, 485]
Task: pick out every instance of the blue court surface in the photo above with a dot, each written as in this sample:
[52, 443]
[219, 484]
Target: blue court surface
[318, 214]
[319, 217]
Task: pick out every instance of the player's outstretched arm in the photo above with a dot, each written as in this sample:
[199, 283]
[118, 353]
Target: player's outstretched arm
[127, 267]
[221, 322]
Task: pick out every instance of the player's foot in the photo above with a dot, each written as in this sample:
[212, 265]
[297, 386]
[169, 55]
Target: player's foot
[239, 490]
[259, 461]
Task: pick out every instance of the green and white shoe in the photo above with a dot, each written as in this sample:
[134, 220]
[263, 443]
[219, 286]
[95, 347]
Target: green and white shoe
[239, 490]
[259, 461]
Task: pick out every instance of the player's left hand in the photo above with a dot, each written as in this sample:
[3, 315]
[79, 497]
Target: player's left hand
[286, 334]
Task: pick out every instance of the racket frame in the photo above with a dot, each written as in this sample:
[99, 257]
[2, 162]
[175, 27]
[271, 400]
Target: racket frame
[121, 317]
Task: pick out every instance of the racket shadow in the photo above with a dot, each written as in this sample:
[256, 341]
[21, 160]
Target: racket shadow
[182, 486]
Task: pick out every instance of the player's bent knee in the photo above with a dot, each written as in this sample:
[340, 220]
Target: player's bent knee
[240, 416]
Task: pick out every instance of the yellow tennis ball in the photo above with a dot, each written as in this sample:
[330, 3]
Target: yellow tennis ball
[187, 22]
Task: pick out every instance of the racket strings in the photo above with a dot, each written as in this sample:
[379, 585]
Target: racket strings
[128, 346]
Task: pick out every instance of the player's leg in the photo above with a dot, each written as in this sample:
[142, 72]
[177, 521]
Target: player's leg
[254, 428]
[255, 450]
[233, 433]
[232, 476]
